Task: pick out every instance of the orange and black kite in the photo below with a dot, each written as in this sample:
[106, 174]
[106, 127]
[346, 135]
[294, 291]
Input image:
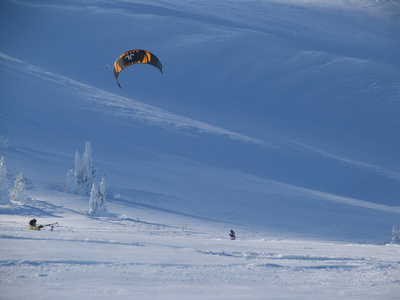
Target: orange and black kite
[135, 57]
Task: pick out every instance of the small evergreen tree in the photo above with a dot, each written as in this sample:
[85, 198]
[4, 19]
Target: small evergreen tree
[81, 178]
[19, 193]
[93, 201]
[4, 188]
[97, 202]
[395, 235]
[88, 173]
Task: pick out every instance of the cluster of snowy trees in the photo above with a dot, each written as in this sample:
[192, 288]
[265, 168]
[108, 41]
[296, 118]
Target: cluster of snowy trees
[18, 194]
[82, 180]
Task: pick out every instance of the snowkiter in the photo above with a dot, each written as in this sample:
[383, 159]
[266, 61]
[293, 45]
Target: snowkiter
[33, 226]
[232, 235]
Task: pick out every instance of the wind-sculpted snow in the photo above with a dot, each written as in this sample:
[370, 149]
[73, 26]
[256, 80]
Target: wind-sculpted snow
[94, 99]
[277, 119]
[108, 103]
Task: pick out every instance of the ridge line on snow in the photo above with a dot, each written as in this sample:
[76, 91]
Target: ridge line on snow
[138, 110]
[129, 108]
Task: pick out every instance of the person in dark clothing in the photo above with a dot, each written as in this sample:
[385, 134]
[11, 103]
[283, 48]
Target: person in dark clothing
[232, 235]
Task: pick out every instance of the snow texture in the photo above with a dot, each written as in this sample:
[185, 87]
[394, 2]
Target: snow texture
[4, 188]
[278, 119]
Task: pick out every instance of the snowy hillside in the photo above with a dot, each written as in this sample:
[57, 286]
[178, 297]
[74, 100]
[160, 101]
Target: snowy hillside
[278, 119]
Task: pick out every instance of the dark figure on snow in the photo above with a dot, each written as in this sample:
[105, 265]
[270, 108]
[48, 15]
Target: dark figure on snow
[33, 226]
[232, 235]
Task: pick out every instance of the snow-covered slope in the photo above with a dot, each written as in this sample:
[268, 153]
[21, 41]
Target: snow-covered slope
[280, 119]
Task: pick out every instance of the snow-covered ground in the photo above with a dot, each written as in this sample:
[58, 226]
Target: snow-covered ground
[277, 119]
[155, 256]
[152, 261]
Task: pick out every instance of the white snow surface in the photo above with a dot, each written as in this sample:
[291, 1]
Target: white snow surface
[277, 119]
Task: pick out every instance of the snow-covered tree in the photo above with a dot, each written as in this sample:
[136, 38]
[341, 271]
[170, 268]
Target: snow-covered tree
[97, 202]
[395, 235]
[87, 173]
[81, 178]
[4, 188]
[71, 181]
[19, 193]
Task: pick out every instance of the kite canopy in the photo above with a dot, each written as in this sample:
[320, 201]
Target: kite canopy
[135, 57]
